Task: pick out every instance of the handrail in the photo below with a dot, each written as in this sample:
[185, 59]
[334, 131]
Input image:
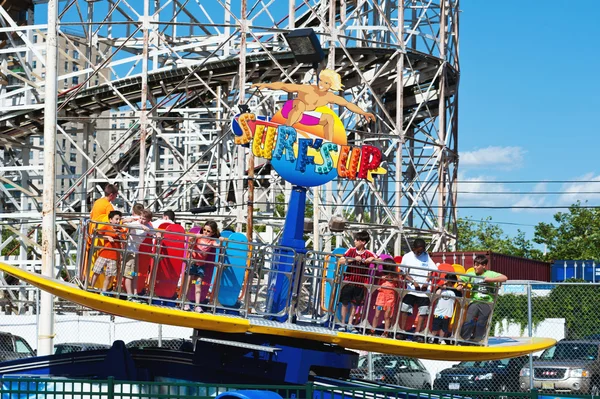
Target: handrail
[310, 293]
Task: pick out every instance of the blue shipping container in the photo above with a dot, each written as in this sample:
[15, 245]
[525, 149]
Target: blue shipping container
[562, 270]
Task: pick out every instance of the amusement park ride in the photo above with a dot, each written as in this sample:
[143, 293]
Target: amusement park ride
[269, 311]
[295, 322]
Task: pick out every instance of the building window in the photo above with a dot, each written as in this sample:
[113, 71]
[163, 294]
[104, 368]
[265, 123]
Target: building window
[35, 38]
[73, 170]
[161, 163]
[75, 68]
[75, 80]
[67, 51]
[75, 55]
[170, 161]
[64, 143]
[113, 137]
[73, 157]
[30, 154]
[122, 125]
[34, 64]
[66, 66]
[94, 150]
[43, 75]
[113, 126]
[42, 140]
[97, 58]
[72, 146]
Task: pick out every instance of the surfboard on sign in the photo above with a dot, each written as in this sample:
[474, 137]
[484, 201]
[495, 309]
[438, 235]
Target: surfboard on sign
[236, 255]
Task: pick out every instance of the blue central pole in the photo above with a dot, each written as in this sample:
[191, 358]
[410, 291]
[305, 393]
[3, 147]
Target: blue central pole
[284, 267]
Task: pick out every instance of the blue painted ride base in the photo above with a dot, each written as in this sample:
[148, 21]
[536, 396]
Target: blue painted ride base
[284, 268]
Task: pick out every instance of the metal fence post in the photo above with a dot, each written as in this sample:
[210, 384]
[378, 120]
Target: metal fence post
[309, 390]
[534, 394]
[111, 387]
[530, 331]
[370, 365]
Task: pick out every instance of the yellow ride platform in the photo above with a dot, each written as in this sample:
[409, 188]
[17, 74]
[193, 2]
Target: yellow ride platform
[498, 348]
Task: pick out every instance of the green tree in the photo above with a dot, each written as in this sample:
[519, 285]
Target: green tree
[484, 235]
[12, 246]
[574, 235]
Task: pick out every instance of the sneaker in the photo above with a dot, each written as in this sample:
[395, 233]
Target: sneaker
[442, 342]
[342, 329]
[352, 330]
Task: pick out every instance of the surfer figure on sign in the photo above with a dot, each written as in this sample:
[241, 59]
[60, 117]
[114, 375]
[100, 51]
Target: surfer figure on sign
[310, 97]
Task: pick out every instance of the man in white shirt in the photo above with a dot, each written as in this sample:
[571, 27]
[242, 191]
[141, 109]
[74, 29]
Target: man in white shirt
[418, 284]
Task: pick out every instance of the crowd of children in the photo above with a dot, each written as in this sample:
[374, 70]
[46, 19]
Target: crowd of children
[118, 242]
[397, 290]
[415, 284]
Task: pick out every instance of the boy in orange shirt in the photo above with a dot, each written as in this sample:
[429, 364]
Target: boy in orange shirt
[108, 256]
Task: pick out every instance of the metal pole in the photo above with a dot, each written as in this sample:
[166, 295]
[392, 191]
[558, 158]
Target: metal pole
[143, 101]
[242, 99]
[399, 129]
[530, 332]
[46, 309]
[441, 190]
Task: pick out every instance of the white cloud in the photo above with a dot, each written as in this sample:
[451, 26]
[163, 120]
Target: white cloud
[584, 191]
[492, 156]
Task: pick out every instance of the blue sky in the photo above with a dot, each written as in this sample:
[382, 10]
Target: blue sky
[529, 94]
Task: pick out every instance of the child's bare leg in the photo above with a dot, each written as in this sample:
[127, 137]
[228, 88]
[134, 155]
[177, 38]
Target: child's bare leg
[128, 286]
[376, 318]
[197, 290]
[388, 319]
[94, 279]
[344, 312]
[107, 281]
[403, 317]
[351, 309]
[134, 282]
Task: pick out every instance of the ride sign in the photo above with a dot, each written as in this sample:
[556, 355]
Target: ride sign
[305, 141]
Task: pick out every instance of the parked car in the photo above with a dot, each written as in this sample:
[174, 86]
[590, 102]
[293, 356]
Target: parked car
[14, 347]
[176, 344]
[71, 347]
[491, 375]
[394, 370]
[571, 367]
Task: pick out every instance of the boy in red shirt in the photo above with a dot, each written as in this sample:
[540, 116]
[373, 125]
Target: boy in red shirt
[358, 259]
[108, 256]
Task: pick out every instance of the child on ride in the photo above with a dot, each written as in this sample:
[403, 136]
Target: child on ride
[444, 308]
[109, 255]
[387, 297]
[356, 277]
[203, 257]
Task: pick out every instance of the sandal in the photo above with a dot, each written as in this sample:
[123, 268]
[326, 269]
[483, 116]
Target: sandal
[186, 307]
[198, 309]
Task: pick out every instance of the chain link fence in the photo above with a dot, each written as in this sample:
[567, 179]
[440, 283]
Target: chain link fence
[568, 312]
